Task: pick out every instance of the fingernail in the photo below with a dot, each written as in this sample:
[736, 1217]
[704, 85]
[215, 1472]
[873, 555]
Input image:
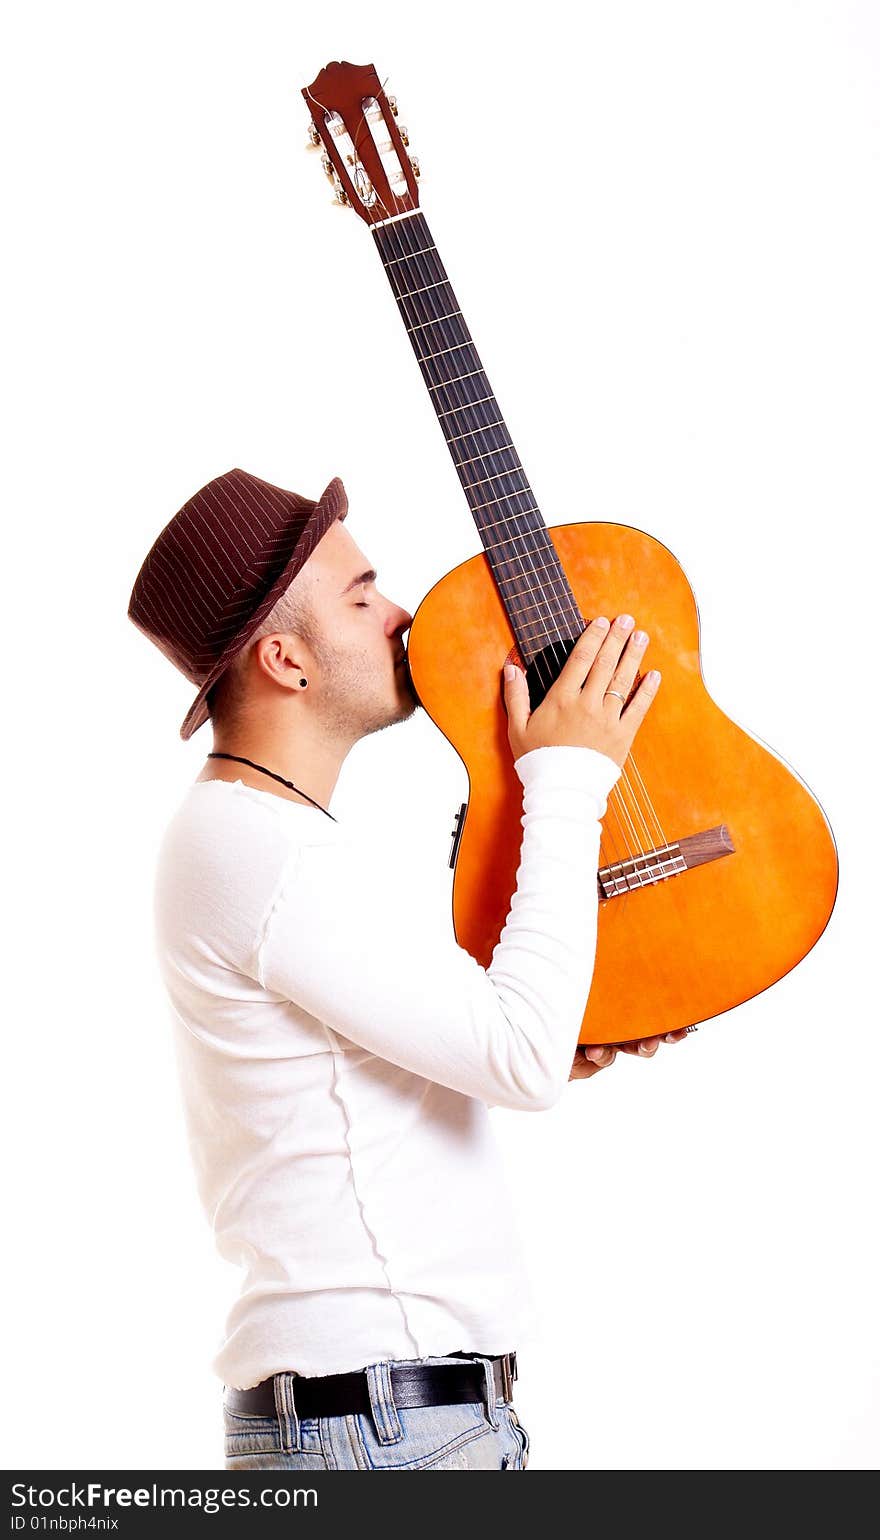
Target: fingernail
[640, 638]
[601, 623]
[509, 671]
[644, 1050]
[625, 621]
[655, 676]
[670, 1037]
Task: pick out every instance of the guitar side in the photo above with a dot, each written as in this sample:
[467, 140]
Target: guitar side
[672, 952]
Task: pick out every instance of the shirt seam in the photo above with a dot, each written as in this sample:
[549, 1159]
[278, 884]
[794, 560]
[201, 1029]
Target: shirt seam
[336, 1053]
[291, 861]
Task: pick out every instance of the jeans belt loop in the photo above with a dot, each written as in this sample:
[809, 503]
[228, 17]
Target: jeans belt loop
[489, 1389]
[285, 1408]
[389, 1429]
[508, 1365]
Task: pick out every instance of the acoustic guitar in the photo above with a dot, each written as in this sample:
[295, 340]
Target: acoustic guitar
[718, 868]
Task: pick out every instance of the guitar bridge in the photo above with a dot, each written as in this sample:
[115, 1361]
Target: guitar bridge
[651, 866]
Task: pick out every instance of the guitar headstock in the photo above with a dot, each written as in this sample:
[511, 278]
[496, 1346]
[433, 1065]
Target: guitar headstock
[365, 149]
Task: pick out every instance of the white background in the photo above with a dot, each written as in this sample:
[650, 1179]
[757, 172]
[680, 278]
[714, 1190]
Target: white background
[661, 222]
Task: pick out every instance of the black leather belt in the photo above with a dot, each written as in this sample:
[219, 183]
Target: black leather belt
[334, 1395]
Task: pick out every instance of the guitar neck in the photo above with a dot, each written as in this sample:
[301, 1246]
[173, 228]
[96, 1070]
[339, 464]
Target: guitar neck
[533, 587]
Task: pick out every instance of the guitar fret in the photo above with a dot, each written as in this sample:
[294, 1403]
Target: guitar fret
[549, 592]
[546, 635]
[465, 406]
[514, 471]
[492, 500]
[411, 293]
[536, 567]
[424, 358]
[533, 606]
[444, 383]
[509, 578]
[535, 626]
[436, 319]
[472, 432]
[533, 529]
[509, 540]
[504, 449]
[405, 258]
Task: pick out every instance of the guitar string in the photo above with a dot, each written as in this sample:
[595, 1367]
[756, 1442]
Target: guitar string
[482, 432]
[398, 235]
[415, 258]
[416, 255]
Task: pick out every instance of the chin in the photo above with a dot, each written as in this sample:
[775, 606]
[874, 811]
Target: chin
[407, 702]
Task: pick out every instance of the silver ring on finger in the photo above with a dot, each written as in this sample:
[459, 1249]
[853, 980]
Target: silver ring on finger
[618, 694]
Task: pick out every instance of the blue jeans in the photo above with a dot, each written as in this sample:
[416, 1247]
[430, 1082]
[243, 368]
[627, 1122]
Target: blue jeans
[472, 1435]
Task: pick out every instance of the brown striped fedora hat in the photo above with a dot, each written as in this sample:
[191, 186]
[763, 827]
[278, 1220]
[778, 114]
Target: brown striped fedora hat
[218, 567]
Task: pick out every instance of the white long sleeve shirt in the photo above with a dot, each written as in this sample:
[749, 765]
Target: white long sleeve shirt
[338, 1052]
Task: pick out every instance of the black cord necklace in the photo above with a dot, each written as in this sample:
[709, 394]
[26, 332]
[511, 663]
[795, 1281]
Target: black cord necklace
[215, 754]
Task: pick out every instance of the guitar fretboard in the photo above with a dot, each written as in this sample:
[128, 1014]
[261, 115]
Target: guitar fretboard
[530, 578]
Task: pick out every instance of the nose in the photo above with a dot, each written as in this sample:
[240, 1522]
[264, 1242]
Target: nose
[399, 620]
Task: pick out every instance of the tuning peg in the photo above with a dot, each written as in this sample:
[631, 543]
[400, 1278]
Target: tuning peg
[329, 168]
[342, 200]
[403, 133]
[314, 139]
[392, 102]
[414, 162]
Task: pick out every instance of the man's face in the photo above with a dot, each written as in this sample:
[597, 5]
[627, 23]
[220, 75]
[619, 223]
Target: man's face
[363, 681]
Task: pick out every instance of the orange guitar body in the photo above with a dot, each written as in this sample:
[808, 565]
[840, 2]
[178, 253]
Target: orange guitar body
[718, 870]
[699, 942]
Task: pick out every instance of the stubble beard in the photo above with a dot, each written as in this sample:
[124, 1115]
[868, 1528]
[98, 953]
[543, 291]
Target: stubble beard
[354, 707]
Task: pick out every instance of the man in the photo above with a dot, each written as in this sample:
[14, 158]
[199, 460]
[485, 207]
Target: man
[338, 1051]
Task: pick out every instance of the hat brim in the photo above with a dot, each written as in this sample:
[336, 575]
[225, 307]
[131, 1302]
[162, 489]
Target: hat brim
[331, 505]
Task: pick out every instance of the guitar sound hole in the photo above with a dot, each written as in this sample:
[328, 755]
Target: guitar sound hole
[546, 667]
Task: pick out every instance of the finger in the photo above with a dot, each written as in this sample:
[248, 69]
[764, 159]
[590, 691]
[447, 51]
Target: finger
[600, 1054]
[607, 660]
[624, 675]
[582, 1069]
[581, 658]
[633, 714]
[638, 1044]
[644, 1047]
[516, 697]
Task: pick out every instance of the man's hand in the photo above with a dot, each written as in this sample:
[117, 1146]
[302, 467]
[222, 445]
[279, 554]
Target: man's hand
[589, 1058]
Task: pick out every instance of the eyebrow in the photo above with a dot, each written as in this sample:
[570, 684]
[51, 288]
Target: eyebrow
[362, 577]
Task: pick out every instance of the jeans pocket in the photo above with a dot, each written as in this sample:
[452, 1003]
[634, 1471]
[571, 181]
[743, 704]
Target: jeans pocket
[248, 1434]
[447, 1437]
[253, 1442]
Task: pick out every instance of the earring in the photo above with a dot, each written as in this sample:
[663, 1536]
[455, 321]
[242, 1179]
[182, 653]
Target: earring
[303, 683]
